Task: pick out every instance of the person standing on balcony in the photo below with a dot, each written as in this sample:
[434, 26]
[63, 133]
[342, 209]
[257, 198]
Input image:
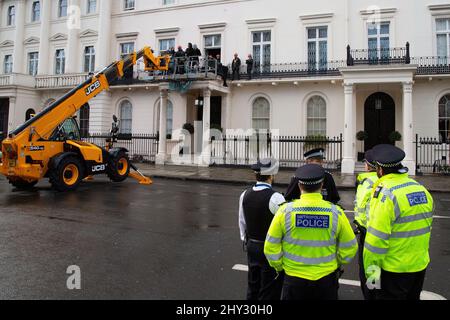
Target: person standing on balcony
[180, 57]
[196, 54]
[236, 67]
[222, 70]
[329, 190]
[249, 62]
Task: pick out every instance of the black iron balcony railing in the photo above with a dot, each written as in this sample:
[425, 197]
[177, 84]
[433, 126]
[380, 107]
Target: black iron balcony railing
[378, 56]
[432, 65]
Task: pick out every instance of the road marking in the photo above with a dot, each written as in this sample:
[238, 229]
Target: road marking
[425, 295]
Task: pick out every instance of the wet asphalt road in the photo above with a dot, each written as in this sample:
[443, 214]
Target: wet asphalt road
[172, 240]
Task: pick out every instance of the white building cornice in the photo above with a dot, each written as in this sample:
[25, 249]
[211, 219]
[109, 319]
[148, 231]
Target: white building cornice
[7, 43]
[31, 41]
[261, 21]
[439, 9]
[167, 31]
[127, 35]
[88, 33]
[216, 25]
[318, 16]
[59, 37]
[367, 12]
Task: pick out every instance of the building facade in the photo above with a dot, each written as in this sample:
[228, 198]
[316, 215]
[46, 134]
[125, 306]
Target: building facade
[321, 68]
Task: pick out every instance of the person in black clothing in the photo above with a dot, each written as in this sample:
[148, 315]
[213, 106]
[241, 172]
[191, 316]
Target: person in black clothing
[249, 62]
[196, 54]
[236, 67]
[257, 207]
[329, 190]
[189, 50]
[180, 57]
[222, 71]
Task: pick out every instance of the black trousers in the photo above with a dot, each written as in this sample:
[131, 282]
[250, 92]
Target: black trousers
[236, 75]
[368, 294]
[325, 288]
[263, 283]
[249, 73]
[400, 286]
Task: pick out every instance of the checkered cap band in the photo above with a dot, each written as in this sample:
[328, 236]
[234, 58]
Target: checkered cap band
[389, 165]
[311, 182]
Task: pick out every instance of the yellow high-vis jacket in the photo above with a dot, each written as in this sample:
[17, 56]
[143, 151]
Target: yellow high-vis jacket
[365, 181]
[399, 229]
[310, 238]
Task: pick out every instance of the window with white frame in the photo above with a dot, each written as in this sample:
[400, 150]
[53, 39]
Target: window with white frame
[378, 40]
[261, 114]
[8, 64]
[126, 48]
[213, 44]
[11, 18]
[91, 6]
[444, 118]
[443, 38]
[60, 61]
[317, 48]
[128, 5]
[62, 8]
[89, 59]
[33, 61]
[126, 117]
[262, 47]
[166, 2]
[169, 118]
[35, 11]
[316, 118]
[165, 45]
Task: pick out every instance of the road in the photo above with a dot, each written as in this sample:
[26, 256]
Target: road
[171, 240]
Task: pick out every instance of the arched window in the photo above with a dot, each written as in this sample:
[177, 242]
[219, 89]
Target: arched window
[444, 118]
[126, 117]
[261, 114]
[29, 114]
[316, 123]
[84, 120]
[62, 8]
[169, 117]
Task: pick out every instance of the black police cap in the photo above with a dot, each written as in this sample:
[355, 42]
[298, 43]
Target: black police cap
[315, 153]
[369, 158]
[310, 174]
[388, 156]
[265, 166]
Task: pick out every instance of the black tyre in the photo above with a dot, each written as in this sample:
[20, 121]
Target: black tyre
[68, 175]
[22, 184]
[118, 167]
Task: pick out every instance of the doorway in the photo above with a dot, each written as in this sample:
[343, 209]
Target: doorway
[4, 114]
[379, 119]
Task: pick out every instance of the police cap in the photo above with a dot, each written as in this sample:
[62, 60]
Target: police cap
[310, 174]
[369, 159]
[389, 156]
[266, 167]
[315, 153]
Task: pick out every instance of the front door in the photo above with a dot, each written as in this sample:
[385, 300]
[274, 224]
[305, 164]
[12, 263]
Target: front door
[379, 118]
[4, 112]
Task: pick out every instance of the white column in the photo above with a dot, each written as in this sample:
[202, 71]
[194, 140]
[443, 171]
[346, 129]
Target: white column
[348, 161]
[73, 56]
[226, 111]
[11, 115]
[161, 157]
[408, 133]
[101, 111]
[43, 66]
[103, 48]
[18, 63]
[205, 158]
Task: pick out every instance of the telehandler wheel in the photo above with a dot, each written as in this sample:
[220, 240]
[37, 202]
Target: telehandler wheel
[68, 175]
[118, 167]
[22, 184]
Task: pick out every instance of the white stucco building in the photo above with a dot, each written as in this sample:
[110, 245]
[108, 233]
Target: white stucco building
[305, 83]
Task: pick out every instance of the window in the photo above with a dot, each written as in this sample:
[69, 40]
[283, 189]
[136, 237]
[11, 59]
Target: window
[261, 114]
[316, 117]
[166, 2]
[165, 45]
[62, 8]
[213, 44]
[443, 38]
[29, 114]
[378, 35]
[444, 118]
[126, 48]
[126, 117]
[262, 44]
[60, 61]
[169, 118]
[84, 120]
[33, 61]
[317, 48]
[36, 11]
[11, 19]
[128, 5]
[91, 6]
[8, 64]
[89, 59]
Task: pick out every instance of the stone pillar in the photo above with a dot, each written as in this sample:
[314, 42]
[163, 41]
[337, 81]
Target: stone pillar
[11, 115]
[44, 34]
[103, 49]
[348, 161]
[408, 133]
[18, 63]
[101, 111]
[205, 158]
[73, 56]
[226, 111]
[161, 157]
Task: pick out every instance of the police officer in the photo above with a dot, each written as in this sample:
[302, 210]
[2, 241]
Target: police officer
[398, 232]
[364, 185]
[329, 190]
[310, 239]
[257, 207]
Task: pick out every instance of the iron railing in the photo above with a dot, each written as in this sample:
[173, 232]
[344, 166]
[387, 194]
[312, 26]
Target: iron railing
[378, 56]
[432, 156]
[431, 65]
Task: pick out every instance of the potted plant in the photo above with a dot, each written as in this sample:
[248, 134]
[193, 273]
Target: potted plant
[395, 136]
[361, 136]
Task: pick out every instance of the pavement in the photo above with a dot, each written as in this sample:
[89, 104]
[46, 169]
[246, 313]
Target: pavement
[244, 176]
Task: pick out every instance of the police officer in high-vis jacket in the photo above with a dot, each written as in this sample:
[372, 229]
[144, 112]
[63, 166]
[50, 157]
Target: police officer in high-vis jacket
[398, 231]
[257, 206]
[310, 239]
[364, 185]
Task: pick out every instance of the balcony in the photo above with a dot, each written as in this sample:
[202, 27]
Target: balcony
[16, 79]
[378, 56]
[60, 81]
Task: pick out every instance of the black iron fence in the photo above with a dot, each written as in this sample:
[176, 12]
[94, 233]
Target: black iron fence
[432, 156]
[245, 150]
[141, 147]
[432, 65]
[375, 56]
